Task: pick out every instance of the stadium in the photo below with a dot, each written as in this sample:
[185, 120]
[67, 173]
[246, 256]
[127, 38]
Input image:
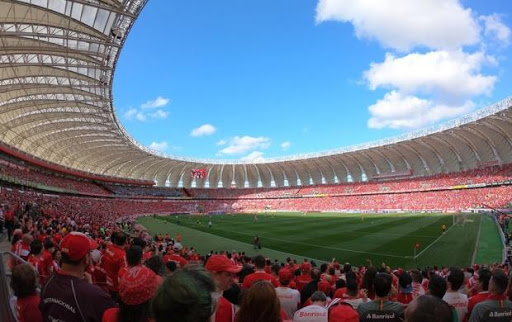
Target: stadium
[434, 197]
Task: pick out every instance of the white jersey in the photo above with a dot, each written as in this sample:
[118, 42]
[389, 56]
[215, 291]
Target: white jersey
[459, 301]
[289, 298]
[311, 313]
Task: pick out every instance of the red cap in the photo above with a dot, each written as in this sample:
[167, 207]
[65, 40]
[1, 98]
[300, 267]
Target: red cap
[220, 263]
[138, 285]
[285, 275]
[76, 245]
[343, 313]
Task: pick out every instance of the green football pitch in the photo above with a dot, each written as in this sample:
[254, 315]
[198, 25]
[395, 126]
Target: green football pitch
[354, 238]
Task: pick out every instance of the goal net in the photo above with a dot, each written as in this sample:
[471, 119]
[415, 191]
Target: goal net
[459, 219]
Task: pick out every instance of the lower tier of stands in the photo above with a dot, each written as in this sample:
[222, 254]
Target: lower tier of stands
[107, 209]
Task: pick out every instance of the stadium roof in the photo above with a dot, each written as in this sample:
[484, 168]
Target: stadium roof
[57, 61]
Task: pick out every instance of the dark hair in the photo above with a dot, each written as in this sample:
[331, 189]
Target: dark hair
[23, 280]
[259, 262]
[260, 303]
[323, 268]
[315, 274]
[500, 281]
[437, 286]
[455, 278]
[36, 247]
[119, 238]
[428, 308]
[382, 284]
[416, 276]
[368, 278]
[171, 266]
[129, 313]
[275, 268]
[48, 243]
[351, 287]
[184, 297]
[232, 294]
[155, 264]
[484, 276]
[134, 255]
[405, 280]
[318, 296]
[340, 283]
[137, 241]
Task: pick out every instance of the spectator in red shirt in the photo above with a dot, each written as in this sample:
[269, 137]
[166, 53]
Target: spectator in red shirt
[113, 260]
[23, 283]
[136, 289]
[36, 259]
[223, 272]
[482, 287]
[9, 221]
[259, 274]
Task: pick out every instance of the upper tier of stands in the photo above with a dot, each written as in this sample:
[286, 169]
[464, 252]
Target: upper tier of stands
[447, 192]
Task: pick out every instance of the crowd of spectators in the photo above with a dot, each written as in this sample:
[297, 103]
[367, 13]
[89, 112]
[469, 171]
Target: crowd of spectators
[37, 177]
[108, 268]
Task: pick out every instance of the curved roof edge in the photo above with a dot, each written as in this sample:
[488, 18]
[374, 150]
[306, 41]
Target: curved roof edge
[465, 119]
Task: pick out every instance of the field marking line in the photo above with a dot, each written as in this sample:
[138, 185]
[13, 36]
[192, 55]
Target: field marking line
[309, 244]
[435, 241]
[477, 241]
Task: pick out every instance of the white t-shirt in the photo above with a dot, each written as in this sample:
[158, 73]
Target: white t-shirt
[311, 313]
[289, 298]
[459, 301]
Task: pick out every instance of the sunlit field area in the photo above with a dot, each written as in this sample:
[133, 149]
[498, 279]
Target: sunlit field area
[354, 238]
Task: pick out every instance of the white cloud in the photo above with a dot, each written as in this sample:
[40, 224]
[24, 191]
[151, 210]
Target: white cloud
[222, 142]
[445, 74]
[242, 144]
[495, 28]
[405, 111]
[205, 129]
[158, 102]
[405, 24]
[144, 114]
[159, 146]
[159, 114]
[285, 145]
[130, 113]
[256, 156]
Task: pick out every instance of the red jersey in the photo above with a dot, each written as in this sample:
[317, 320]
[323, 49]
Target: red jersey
[225, 310]
[48, 260]
[28, 309]
[302, 281]
[113, 260]
[175, 258]
[259, 276]
[475, 299]
[147, 255]
[39, 265]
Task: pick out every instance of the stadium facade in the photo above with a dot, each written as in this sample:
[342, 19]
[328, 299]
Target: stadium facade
[57, 64]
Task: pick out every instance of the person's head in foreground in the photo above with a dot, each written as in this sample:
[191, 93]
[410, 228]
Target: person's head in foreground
[428, 308]
[260, 303]
[184, 296]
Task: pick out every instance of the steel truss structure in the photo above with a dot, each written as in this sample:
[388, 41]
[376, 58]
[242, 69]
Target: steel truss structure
[57, 61]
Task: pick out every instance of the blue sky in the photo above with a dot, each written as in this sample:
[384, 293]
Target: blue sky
[260, 79]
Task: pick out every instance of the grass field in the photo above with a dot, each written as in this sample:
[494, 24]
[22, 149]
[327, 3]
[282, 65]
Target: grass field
[353, 238]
